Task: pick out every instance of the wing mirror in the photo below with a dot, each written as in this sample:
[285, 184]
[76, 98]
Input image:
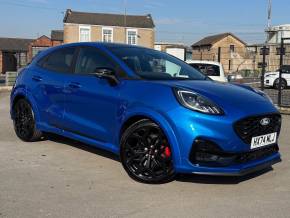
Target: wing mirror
[108, 74]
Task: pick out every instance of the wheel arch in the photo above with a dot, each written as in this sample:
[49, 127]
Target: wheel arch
[24, 95]
[159, 120]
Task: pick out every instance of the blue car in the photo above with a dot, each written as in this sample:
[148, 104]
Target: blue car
[160, 115]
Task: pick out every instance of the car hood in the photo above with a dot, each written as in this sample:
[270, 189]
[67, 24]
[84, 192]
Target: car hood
[227, 95]
[275, 73]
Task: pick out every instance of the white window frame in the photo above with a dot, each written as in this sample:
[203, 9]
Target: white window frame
[84, 27]
[107, 28]
[127, 36]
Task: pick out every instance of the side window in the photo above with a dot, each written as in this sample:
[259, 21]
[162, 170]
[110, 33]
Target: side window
[90, 59]
[59, 60]
[207, 69]
[286, 69]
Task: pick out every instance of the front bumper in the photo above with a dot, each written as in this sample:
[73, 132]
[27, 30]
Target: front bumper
[220, 131]
[237, 170]
[243, 171]
[269, 81]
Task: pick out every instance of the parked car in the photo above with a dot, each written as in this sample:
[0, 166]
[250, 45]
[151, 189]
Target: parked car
[271, 79]
[158, 113]
[212, 69]
[235, 78]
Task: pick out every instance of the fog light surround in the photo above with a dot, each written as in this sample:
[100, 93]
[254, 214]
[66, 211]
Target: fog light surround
[207, 153]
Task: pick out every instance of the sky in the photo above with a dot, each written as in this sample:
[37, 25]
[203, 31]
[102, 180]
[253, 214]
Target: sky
[182, 21]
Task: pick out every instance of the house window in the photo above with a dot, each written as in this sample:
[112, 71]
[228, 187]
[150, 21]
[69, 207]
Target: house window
[232, 48]
[107, 34]
[230, 65]
[37, 49]
[85, 34]
[132, 36]
[22, 59]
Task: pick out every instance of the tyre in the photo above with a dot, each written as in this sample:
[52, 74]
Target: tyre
[283, 84]
[146, 154]
[24, 122]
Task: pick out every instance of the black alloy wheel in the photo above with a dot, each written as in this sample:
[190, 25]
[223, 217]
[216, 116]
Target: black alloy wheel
[146, 153]
[24, 123]
[283, 84]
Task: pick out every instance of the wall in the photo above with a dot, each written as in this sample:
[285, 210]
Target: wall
[146, 37]
[273, 59]
[1, 63]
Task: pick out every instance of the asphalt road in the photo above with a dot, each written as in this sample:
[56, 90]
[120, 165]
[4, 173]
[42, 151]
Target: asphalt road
[64, 178]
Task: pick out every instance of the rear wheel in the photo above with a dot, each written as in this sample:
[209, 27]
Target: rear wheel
[283, 84]
[24, 122]
[146, 153]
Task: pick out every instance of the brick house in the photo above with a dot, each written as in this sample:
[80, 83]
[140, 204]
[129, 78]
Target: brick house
[130, 29]
[13, 53]
[44, 42]
[227, 48]
[56, 37]
[38, 45]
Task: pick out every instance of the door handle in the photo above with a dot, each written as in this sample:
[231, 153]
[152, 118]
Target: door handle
[75, 85]
[37, 78]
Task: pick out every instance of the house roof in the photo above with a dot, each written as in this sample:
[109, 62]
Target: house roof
[210, 40]
[14, 44]
[141, 21]
[56, 35]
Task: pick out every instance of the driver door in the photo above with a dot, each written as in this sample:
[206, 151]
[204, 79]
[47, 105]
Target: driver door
[91, 102]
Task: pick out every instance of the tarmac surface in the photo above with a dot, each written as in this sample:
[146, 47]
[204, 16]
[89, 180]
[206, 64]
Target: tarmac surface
[64, 178]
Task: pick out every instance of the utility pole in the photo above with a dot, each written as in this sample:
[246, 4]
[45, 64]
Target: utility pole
[267, 39]
[282, 51]
[269, 13]
[125, 21]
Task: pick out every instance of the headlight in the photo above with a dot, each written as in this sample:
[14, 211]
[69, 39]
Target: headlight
[196, 102]
[263, 94]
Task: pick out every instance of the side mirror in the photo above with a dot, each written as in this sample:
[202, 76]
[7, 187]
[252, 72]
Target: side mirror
[108, 74]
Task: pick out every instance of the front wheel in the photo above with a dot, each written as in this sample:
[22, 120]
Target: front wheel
[146, 154]
[24, 122]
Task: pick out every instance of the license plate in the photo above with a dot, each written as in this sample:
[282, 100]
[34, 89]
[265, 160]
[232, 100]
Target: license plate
[260, 141]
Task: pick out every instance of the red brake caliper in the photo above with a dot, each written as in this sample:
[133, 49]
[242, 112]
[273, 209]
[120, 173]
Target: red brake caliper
[167, 152]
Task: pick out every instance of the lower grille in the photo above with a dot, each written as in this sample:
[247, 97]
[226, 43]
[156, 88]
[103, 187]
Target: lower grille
[251, 126]
[258, 154]
[206, 153]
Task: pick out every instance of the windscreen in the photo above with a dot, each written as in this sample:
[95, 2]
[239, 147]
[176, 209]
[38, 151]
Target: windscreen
[155, 65]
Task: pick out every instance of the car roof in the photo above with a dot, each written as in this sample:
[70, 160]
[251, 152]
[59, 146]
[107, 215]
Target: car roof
[96, 44]
[202, 62]
[100, 44]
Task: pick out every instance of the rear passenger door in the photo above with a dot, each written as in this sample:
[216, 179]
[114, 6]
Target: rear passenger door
[48, 79]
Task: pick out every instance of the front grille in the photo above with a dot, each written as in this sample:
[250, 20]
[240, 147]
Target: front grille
[251, 126]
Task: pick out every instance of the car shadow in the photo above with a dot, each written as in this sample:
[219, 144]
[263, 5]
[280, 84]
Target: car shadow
[82, 146]
[222, 180]
[189, 178]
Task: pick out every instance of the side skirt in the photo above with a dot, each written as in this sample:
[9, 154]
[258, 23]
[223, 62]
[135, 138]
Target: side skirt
[103, 145]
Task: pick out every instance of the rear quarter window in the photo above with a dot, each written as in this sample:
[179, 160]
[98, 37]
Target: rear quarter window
[58, 61]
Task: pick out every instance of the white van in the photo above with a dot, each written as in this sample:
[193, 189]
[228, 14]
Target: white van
[212, 69]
